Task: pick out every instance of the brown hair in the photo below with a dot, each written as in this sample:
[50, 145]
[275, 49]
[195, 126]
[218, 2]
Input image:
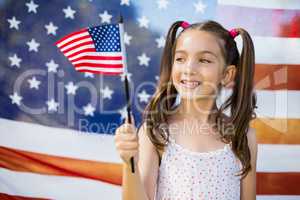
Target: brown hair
[241, 102]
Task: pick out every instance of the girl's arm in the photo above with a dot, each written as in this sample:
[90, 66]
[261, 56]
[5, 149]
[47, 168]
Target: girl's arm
[248, 184]
[142, 184]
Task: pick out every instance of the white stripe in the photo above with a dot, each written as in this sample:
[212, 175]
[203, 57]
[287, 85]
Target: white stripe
[57, 141]
[89, 46]
[112, 62]
[269, 50]
[95, 54]
[272, 103]
[55, 187]
[278, 197]
[278, 103]
[270, 4]
[100, 69]
[76, 43]
[72, 38]
[278, 158]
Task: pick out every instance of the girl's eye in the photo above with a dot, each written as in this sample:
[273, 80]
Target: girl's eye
[179, 59]
[204, 61]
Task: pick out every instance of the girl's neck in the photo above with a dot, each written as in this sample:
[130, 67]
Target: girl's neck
[199, 109]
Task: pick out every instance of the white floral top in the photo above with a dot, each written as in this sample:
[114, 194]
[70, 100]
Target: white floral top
[190, 175]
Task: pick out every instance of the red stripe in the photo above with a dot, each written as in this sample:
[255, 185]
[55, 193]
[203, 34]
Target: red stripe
[261, 21]
[286, 183]
[12, 197]
[100, 72]
[77, 46]
[99, 65]
[75, 40]
[70, 35]
[277, 77]
[98, 58]
[25, 161]
[82, 51]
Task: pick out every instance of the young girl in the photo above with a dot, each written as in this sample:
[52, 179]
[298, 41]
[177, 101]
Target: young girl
[187, 147]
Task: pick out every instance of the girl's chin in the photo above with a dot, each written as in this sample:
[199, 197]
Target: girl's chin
[193, 95]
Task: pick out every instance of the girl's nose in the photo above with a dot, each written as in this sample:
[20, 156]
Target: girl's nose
[189, 72]
[190, 67]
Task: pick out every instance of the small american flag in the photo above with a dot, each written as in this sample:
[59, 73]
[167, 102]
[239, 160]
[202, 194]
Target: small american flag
[95, 49]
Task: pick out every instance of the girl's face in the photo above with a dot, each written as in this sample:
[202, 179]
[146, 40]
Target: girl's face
[198, 64]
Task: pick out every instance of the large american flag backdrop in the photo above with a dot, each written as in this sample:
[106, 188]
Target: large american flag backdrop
[57, 124]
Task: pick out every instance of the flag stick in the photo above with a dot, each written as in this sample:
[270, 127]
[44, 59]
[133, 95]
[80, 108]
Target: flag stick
[128, 115]
[128, 107]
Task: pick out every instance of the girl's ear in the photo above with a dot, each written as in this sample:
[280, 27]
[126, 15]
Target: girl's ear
[229, 76]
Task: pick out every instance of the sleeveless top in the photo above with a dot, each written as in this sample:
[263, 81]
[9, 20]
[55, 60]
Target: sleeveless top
[190, 175]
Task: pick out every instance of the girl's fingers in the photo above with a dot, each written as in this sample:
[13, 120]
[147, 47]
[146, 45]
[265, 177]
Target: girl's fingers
[126, 137]
[126, 141]
[126, 128]
[127, 145]
[128, 153]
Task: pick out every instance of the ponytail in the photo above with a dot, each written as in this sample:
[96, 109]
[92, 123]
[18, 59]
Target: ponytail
[165, 95]
[243, 100]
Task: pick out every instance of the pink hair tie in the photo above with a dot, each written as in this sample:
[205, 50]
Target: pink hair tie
[184, 24]
[233, 33]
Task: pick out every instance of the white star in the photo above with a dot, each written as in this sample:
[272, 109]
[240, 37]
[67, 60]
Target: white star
[127, 38]
[69, 12]
[52, 66]
[125, 2]
[15, 98]
[143, 22]
[88, 75]
[15, 60]
[123, 112]
[162, 4]
[51, 28]
[33, 83]
[33, 45]
[143, 59]
[14, 23]
[200, 6]
[71, 88]
[144, 96]
[157, 78]
[32, 6]
[106, 92]
[52, 105]
[128, 76]
[160, 42]
[89, 110]
[105, 17]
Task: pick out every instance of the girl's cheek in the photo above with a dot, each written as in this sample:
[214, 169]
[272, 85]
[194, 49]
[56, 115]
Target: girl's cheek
[176, 69]
[177, 65]
[175, 75]
[209, 72]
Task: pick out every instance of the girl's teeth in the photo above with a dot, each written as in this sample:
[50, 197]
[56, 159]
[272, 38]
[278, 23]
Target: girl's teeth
[191, 84]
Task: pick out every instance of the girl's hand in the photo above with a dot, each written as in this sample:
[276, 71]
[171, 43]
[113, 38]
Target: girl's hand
[126, 141]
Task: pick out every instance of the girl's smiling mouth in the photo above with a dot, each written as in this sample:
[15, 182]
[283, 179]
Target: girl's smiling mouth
[190, 84]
